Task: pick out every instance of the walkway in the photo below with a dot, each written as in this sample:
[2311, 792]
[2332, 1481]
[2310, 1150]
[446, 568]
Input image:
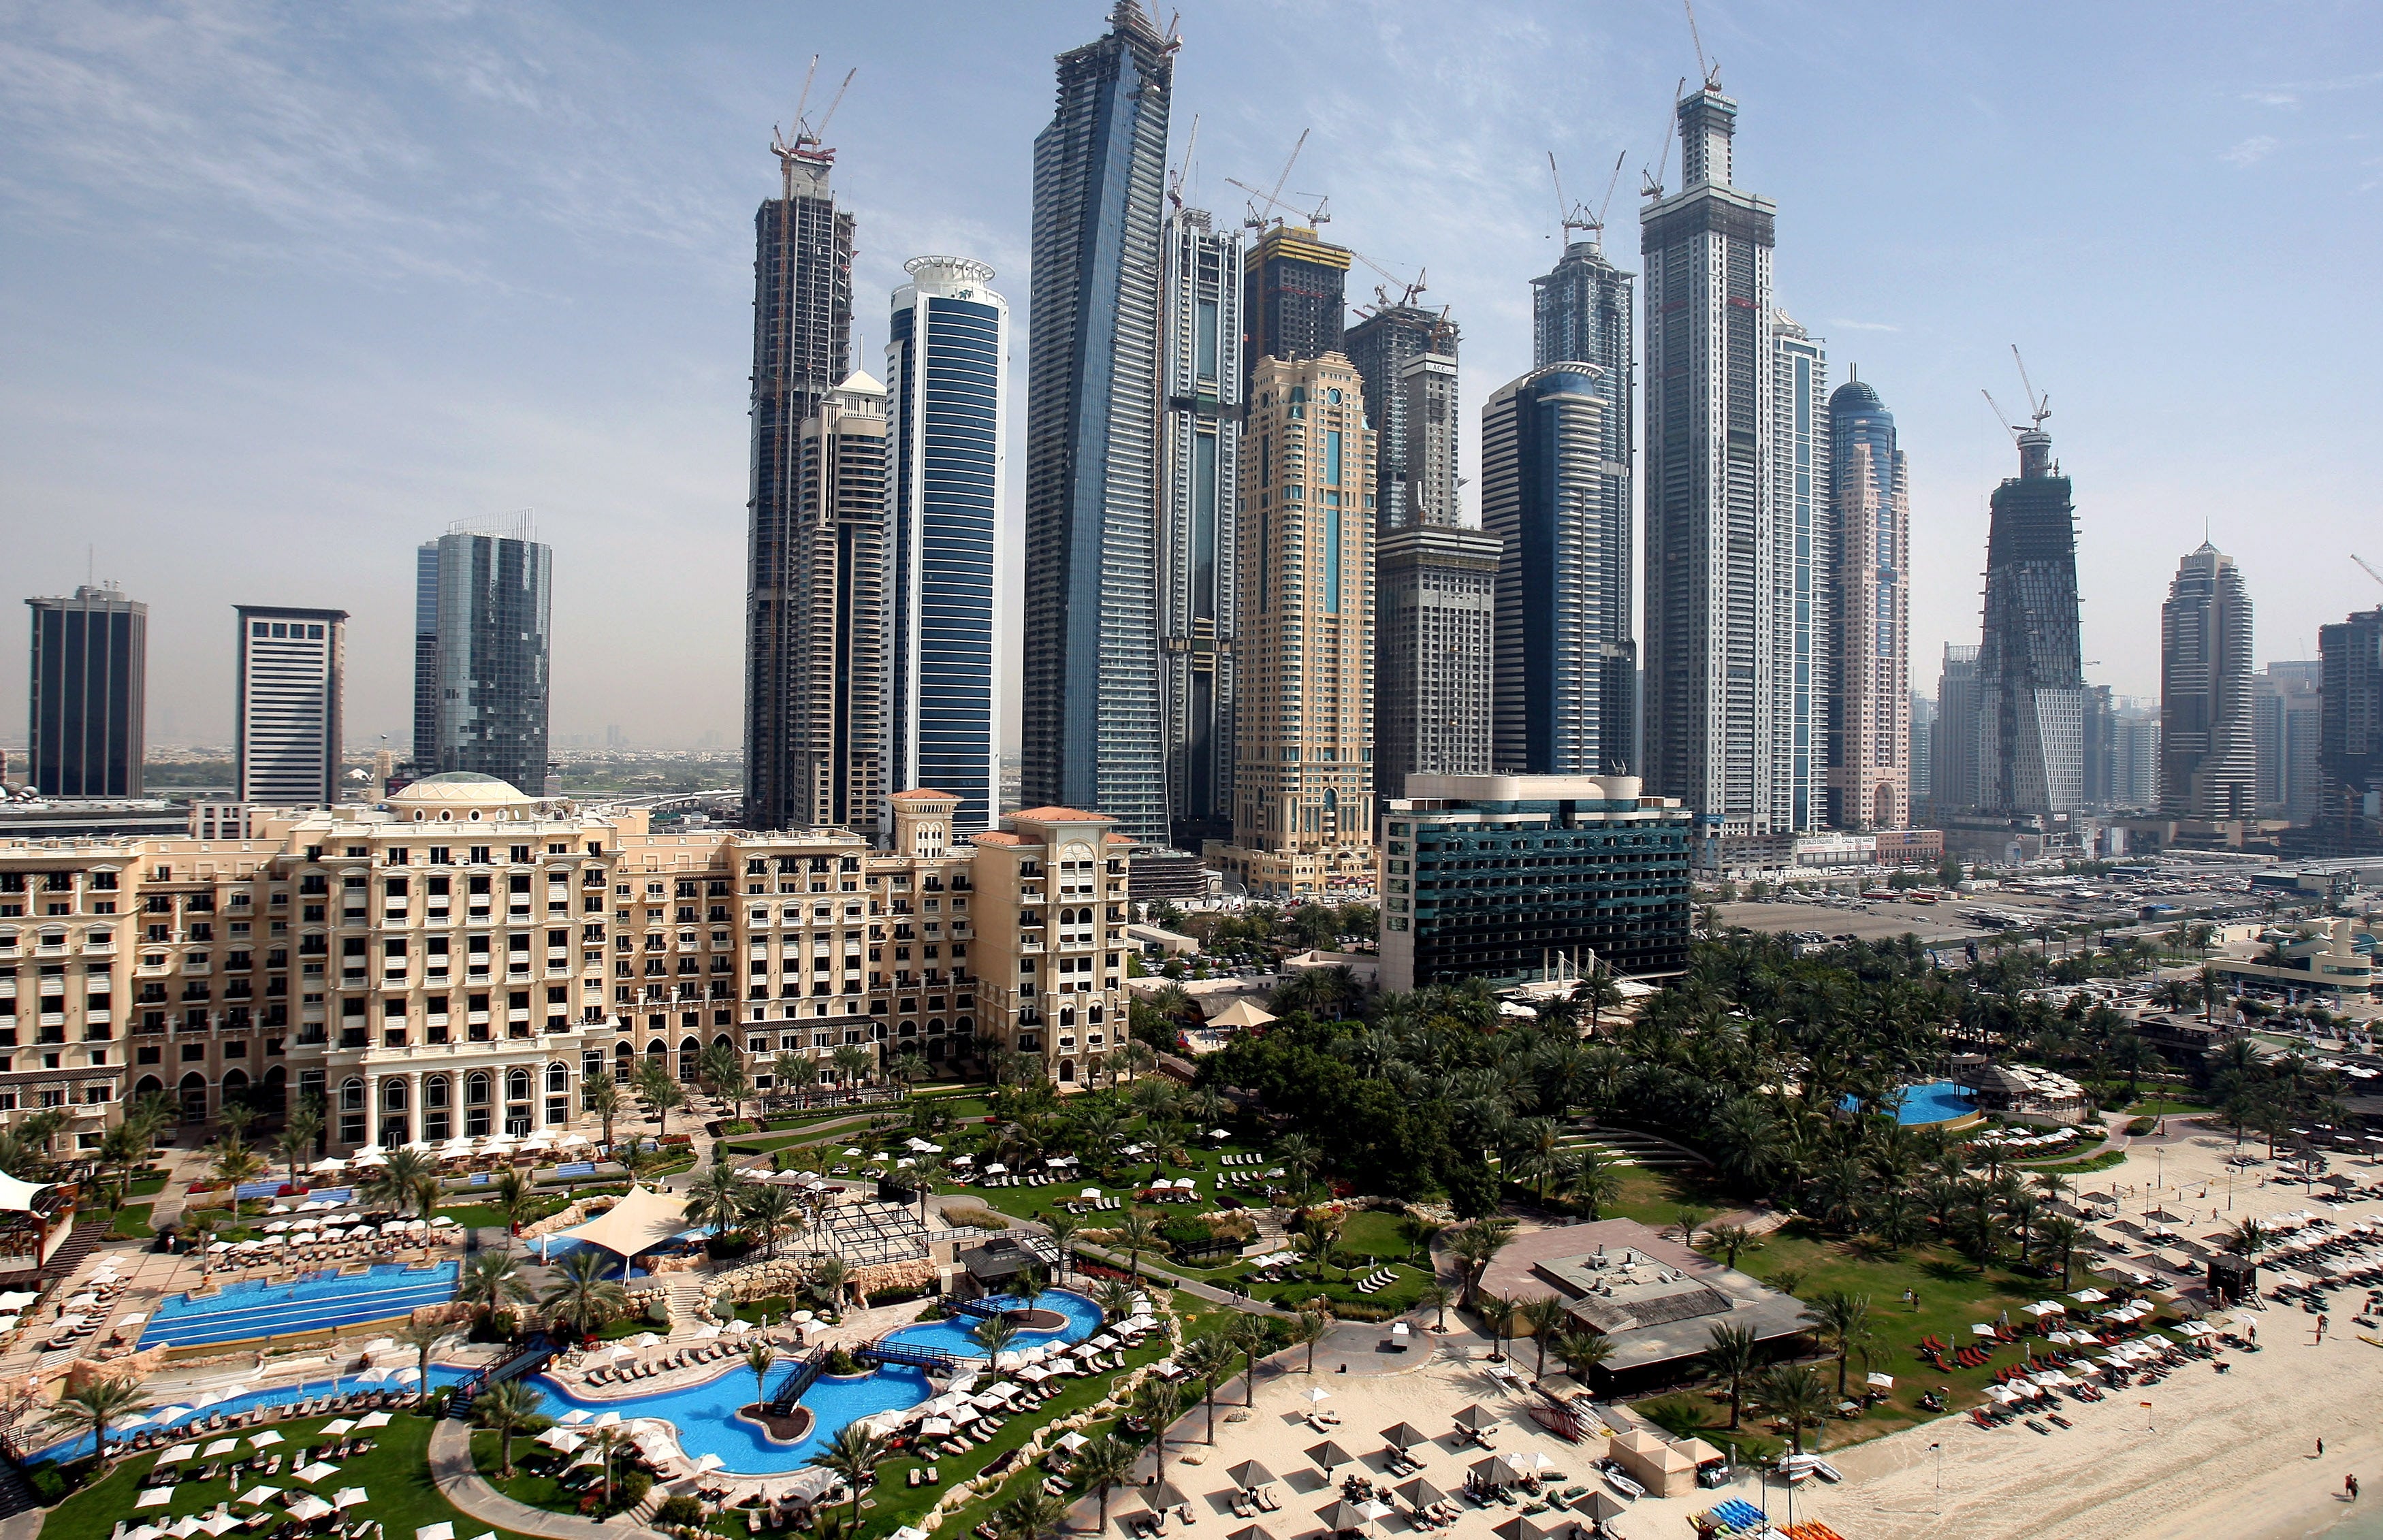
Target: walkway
[451, 1467]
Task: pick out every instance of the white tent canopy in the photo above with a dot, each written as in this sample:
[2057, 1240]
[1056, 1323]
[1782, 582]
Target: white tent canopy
[642, 1219]
[17, 1197]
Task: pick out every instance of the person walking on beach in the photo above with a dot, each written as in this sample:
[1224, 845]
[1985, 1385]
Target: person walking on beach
[2350, 1488]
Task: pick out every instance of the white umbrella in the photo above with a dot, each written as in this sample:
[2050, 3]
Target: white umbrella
[177, 1453]
[608, 1419]
[1319, 1394]
[441, 1222]
[311, 1473]
[259, 1494]
[645, 1339]
[217, 1523]
[408, 1377]
[338, 1426]
[1089, 1192]
[263, 1440]
[736, 1329]
[576, 1416]
[707, 1329]
[574, 1142]
[435, 1531]
[156, 1497]
[348, 1497]
[708, 1463]
[372, 1376]
[334, 1164]
[373, 1420]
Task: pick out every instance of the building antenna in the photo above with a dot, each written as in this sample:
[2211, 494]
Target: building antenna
[1709, 71]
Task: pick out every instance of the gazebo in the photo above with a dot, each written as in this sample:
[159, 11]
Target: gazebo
[642, 1220]
[1240, 1013]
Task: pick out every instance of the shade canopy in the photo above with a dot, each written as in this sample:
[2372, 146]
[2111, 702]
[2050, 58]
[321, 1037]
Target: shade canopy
[1473, 1417]
[1404, 1436]
[1249, 1474]
[641, 1221]
[17, 1197]
[1240, 1013]
[1329, 1454]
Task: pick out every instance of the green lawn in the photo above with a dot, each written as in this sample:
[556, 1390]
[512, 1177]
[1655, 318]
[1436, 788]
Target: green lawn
[2165, 1106]
[396, 1474]
[2101, 1162]
[132, 1221]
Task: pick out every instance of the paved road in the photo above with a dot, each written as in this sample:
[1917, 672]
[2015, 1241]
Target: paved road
[451, 1468]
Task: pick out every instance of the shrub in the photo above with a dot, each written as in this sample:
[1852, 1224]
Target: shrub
[971, 1215]
[2142, 1126]
[841, 1362]
[1185, 1232]
[734, 1243]
[680, 1510]
[50, 1483]
[658, 1312]
[629, 1489]
[895, 1295]
[737, 1126]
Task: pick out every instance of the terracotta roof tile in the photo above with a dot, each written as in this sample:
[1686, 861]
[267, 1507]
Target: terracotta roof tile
[1061, 815]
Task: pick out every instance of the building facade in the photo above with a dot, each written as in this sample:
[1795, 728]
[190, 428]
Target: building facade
[1089, 716]
[1922, 778]
[802, 349]
[285, 705]
[1407, 355]
[948, 367]
[2350, 747]
[1868, 717]
[1597, 874]
[1953, 746]
[1792, 697]
[832, 768]
[1052, 903]
[2285, 722]
[487, 623]
[1435, 644]
[1197, 558]
[1566, 660]
[1294, 298]
[1303, 737]
[2209, 753]
[2030, 674]
[1723, 695]
[86, 729]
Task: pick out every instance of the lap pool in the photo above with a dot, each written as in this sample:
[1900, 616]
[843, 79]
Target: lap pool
[705, 1415]
[253, 1308]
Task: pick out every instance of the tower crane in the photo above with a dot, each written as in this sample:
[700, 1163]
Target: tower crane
[2366, 567]
[1175, 177]
[1274, 199]
[809, 139]
[1710, 72]
[1650, 183]
[1407, 291]
[2038, 407]
[1571, 216]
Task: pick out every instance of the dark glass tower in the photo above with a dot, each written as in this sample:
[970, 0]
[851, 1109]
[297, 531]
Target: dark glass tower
[1089, 712]
[1294, 297]
[89, 702]
[1407, 355]
[489, 622]
[802, 349]
[2350, 734]
[2031, 672]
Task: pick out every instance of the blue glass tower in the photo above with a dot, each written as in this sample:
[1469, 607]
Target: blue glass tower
[1867, 692]
[947, 376]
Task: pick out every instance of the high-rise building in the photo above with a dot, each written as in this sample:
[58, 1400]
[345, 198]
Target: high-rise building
[1952, 749]
[947, 366]
[2135, 758]
[1294, 304]
[1565, 658]
[1735, 458]
[802, 349]
[1869, 707]
[2285, 722]
[1200, 361]
[1406, 355]
[1922, 778]
[2350, 752]
[2098, 753]
[286, 709]
[1304, 781]
[2209, 761]
[2030, 674]
[831, 595]
[484, 612]
[1089, 716]
[87, 709]
[1435, 644]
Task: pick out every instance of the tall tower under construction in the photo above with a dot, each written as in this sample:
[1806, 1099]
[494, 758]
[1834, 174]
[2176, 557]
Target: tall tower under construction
[2031, 668]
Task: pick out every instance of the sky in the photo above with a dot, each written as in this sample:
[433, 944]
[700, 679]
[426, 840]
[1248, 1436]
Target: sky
[285, 289]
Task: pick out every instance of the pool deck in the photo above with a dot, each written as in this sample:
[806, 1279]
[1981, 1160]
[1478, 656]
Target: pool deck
[452, 1469]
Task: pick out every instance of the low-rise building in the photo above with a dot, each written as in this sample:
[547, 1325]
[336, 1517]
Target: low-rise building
[1499, 876]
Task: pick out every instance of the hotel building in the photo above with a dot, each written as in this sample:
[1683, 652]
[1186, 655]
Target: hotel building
[287, 706]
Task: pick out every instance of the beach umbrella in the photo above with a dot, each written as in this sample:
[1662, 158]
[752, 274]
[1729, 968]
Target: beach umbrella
[156, 1497]
[1473, 1419]
[1251, 1475]
[608, 1419]
[1601, 1507]
[263, 1440]
[310, 1474]
[177, 1453]
[1329, 1454]
[1319, 1394]
[435, 1531]
[1162, 1497]
[1422, 1494]
[1254, 1531]
[144, 1532]
[373, 1420]
[260, 1495]
[1404, 1436]
[219, 1522]
[348, 1497]
[340, 1425]
[1341, 1516]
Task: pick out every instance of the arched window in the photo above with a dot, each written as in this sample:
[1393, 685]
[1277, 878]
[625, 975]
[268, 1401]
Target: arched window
[437, 1091]
[1094, 1016]
[723, 1041]
[351, 1094]
[234, 1082]
[517, 1085]
[392, 1094]
[150, 1086]
[1067, 1072]
[625, 1061]
[476, 1088]
[194, 1097]
[657, 1049]
[557, 1079]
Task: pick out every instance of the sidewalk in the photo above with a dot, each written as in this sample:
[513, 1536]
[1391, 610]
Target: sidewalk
[451, 1468]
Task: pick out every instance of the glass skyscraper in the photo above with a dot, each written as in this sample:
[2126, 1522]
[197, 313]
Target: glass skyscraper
[88, 707]
[2209, 758]
[2031, 668]
[947, 373]
[483, 603]
[1090, 717]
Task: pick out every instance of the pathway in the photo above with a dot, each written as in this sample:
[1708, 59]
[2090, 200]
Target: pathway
[451, 1468]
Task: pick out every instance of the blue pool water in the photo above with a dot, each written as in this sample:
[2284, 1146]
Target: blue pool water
[1939, 1102]
[705, 1414]
[253, 1308]
[284, 1394]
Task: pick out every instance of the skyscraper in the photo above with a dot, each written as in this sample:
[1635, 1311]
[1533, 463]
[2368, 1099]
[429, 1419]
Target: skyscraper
[1090, 710]
[87, 709]
[1200, 362]
[1868, 704]
[2285, 716]
[802, 349]
[1435, 648]
[831, 595]
[2350, 750]
[1581, 314]
[1953, 748]
[2031, 675]
[1565, 658]
[1406, 355]
[1792, 696]
[485, 612]
[1294, 304]
[947, 365]
[1735, 458]
[2209, 764]
[286, 721]
[1302, 786]
[1922, 778]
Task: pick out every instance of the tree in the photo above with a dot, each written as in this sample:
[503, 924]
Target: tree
[758, 1357]
[97, 1406]
[1115, 1298]
[1251, 1337]
[1209, 1361]
[601, 1094]
[506, 1408]
[829, 1282]
[516, 1196]
[793, 1074]
[1137, 1234]
[1104, 1465]
[1729, 1240]
[1161, 1403]
[1063, 1228]
[582, 1298]
[1688, 1219]
[2057, 1236]
[1587, 1177]
[1033, 1514]
[1582, 1353]
[854, 1063]
[720, 1070]
[1437, 1296]
[1795, 1396]
[406, 1180]
[1843, 1321]
[996, 1332]
[1729, 1354]
[661, 1092]
[772, 1211]
[423, 1337]
[1498, 1313]
[121, 1150]
[1416, 1232]
[1473, 1246]
[718, 1196]
[1307, 1328]
[852, 1456]
[299, 1132]
[1546, 1315]
[235, 1162]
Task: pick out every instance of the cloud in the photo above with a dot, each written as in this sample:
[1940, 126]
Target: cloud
[1840, 323]
[2289, 93]
[2251, 151]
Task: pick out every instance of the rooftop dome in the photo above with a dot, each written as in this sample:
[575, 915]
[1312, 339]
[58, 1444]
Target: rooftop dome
[1854, 394]
[459, 789]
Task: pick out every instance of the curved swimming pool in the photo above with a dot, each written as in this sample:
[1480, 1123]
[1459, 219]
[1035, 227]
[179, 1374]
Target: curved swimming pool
[705, 1414]
[1938, 1102]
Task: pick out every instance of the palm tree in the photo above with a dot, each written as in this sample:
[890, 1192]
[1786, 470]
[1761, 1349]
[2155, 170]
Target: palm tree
[1307, 1328]
[299, 1131]
[504, 1408]
[1729, 1239]
[1437, 1296]
[1582, 1351]
[1546, 1315]
[491, 1281]
[996, 1332]
[1104, 1465]
[2058, 1237]
[1250, 1336]
[758, 1357]
[234, 1164]
[773, 1211]
[1587, 1177]
[406, 1180]
[601, 1094]
[1033, 1514]
[854, 1063]
[1116, 1297]
[1729, 1354]
[660, 1091]
[1688, 1219]
[1472, 1246]
[97, 1406]
[1795, 1394]
[829, 1282]
[1137, 1232]
[1498, 1313]
[1299, 1157]
[515, 1197]
[423, 1337]
[1161, 1404]
[2248, 1237]
[1209, 1360]
[852, 1455]
[582, 1298]
[718, 1197]
[1842, 1320]
[1417, 1233]
[794, 1074]
[1063, 1228]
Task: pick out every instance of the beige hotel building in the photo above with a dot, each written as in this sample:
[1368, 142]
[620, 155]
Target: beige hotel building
[461, 958]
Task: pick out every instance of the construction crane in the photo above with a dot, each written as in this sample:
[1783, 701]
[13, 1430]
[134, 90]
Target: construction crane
[1274, 199]
[1650, 183]
[1175, 177]
[1407, 291]
[2364, 567]
[1710, 72]
[1571, 216]
[809, 139]
[2002, 418]
[2038, 407]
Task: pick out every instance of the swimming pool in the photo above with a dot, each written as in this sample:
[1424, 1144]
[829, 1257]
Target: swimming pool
[253, 1308]
[280, 1395]
[705, 1415]
[1938, 1102]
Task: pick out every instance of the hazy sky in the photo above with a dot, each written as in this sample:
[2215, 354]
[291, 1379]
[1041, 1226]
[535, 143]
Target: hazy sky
[285, 289]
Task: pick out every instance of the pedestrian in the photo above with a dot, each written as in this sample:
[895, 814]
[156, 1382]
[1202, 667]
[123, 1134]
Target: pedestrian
[2350, 1488]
